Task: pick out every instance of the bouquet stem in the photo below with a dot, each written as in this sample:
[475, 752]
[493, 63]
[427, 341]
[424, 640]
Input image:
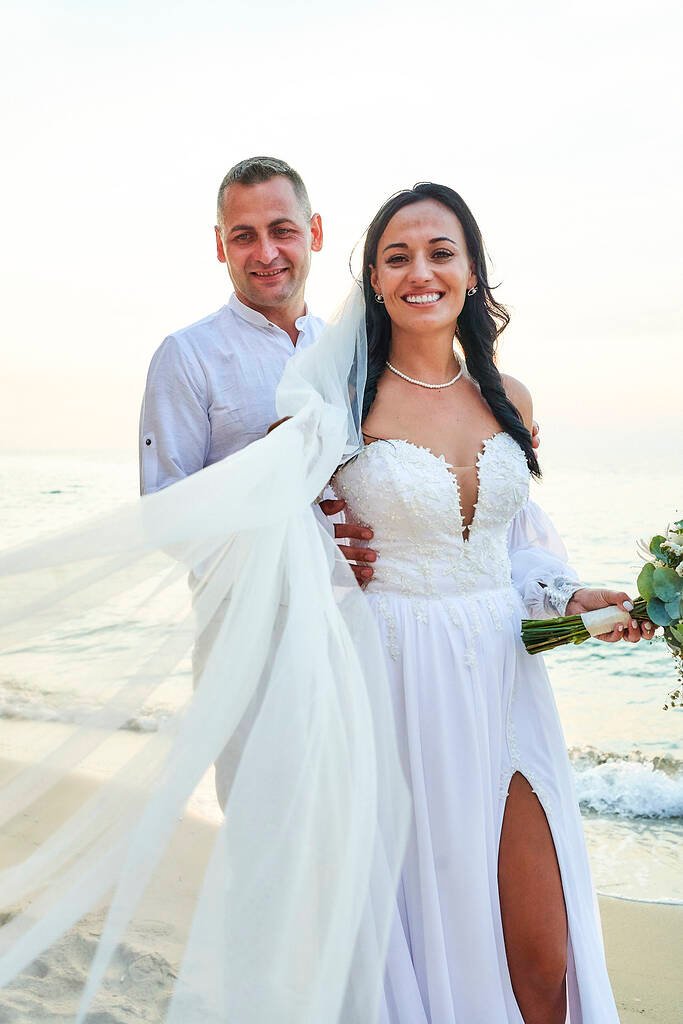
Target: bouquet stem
[541, 635]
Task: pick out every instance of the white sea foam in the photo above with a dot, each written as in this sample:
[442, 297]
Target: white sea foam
[632, 786]
[32, 711]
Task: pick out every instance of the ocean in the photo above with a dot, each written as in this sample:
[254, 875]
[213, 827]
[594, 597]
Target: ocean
[626, 751]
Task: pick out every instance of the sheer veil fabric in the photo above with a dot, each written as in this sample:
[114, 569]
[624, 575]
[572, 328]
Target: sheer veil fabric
[292, 914]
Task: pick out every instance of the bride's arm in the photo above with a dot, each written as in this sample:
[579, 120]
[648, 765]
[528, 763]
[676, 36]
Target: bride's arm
[548, 585]
[540, 564]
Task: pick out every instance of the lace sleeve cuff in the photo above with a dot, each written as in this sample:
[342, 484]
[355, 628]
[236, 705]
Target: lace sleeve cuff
[557, 593]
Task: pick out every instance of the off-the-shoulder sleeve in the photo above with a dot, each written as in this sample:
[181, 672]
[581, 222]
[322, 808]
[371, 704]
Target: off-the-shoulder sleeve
[540, 568]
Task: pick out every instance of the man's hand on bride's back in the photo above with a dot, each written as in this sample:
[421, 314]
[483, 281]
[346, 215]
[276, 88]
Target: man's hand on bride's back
[589, 599]
[347, 532]
[358, 555]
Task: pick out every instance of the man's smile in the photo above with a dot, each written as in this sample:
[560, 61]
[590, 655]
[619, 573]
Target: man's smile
[269, 273]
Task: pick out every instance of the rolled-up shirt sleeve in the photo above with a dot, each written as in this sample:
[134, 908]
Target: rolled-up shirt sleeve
[175, 430]
[540, 564]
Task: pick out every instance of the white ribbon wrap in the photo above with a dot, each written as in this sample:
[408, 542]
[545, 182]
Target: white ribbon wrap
[603, 620]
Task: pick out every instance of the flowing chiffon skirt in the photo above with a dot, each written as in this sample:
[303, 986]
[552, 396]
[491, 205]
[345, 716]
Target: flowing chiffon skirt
[472, 708]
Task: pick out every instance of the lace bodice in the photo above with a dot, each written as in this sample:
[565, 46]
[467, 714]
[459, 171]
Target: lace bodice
[411, 499]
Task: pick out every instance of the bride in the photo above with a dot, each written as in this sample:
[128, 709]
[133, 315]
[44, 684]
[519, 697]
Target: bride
[496, 917]
[334, 892]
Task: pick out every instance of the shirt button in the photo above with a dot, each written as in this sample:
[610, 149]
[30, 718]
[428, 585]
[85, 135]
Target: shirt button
[148, 440]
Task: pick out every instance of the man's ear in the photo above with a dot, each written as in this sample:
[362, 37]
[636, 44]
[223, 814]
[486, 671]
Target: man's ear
[316, 233]
[220, 251]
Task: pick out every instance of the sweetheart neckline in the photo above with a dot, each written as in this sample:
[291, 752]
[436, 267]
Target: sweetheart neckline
[440, 458]
[465, 531]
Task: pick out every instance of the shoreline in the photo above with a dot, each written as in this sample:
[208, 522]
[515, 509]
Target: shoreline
[636, 899]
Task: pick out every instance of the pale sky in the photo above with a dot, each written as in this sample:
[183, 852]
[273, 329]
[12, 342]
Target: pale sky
[559, 124]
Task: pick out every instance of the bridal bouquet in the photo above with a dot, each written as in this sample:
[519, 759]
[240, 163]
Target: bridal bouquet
[660, 586]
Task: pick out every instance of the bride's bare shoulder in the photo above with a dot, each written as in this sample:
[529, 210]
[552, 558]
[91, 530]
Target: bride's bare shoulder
[520, 396]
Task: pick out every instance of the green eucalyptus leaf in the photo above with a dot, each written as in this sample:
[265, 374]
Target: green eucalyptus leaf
[656, 547]
[668, 585]
[677, 632]
[645, 587]
[657, 613]
[675, 609]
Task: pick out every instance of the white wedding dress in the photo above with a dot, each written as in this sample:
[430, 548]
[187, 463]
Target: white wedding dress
[472, 708]
[294, 916]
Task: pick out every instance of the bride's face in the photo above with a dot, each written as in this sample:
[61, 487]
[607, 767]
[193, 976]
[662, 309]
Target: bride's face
[422, 267]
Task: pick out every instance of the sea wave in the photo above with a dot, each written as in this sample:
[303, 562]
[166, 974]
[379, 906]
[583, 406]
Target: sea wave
[31, 711]
[632, 785]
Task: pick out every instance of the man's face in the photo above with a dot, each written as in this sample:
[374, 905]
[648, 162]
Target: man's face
[266, 241]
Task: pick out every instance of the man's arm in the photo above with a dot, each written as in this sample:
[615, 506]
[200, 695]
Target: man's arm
[175, 431]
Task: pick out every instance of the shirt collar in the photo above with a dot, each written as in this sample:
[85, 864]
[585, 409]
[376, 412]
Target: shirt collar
[252, 316]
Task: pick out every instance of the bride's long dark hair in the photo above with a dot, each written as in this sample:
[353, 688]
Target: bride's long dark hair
[480, 323]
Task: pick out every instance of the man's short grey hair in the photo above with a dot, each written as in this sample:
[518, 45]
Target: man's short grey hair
[257, 169]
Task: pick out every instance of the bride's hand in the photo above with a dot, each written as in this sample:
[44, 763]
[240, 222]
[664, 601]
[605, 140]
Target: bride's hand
[589, 599]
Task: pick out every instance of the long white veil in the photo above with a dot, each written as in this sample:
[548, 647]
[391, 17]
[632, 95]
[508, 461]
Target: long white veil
[288, 919]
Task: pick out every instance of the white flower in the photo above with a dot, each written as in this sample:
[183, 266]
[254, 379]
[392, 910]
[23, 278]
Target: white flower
[679, 568]
[644, 550]
[659, 564]
[674, 543]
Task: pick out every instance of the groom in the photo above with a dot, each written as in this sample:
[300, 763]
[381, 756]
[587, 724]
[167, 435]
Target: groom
[211, 386]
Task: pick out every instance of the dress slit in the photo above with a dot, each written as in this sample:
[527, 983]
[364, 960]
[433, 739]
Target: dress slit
[574, 1014]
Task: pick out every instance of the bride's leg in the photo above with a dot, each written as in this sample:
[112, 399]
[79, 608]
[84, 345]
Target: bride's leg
[532, 908]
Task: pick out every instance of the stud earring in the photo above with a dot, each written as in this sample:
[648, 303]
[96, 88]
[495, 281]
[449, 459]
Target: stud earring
[472, 291]
[379, 298]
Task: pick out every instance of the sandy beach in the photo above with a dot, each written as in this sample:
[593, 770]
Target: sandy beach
[643, 943]
[643, 940]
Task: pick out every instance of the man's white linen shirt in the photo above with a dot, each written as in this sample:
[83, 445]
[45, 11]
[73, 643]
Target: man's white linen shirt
[211, 390]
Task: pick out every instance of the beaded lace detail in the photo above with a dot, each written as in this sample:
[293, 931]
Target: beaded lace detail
[558, 593]
[411, 499]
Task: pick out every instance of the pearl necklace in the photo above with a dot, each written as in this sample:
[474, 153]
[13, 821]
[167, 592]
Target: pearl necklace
[423, 383]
